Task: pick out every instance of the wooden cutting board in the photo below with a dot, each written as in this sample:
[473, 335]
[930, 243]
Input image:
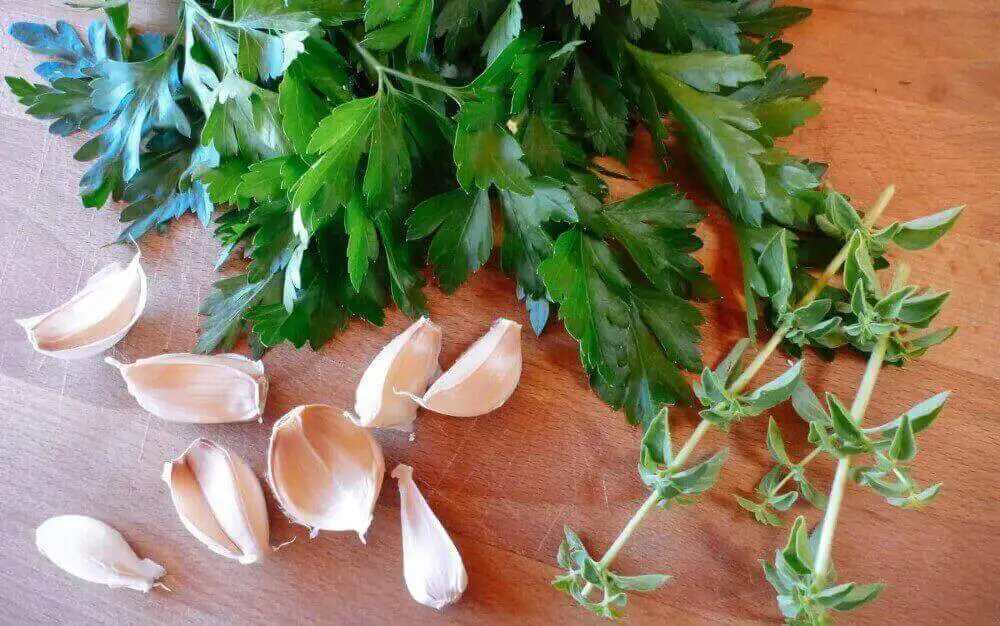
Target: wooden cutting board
[914, 98]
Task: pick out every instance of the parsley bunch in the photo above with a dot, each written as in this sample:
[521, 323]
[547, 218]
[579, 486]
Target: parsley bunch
[343, 146]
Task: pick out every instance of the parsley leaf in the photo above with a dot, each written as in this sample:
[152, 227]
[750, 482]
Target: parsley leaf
[464, 233]
[633, 340]
[526, 243]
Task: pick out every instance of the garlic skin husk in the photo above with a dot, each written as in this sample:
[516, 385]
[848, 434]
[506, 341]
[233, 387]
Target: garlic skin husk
[90, 549]
[325, 471]
[407, 364]
[482, 379]
[96, 318]
[432, 567]
[219, 501]
[197, 388]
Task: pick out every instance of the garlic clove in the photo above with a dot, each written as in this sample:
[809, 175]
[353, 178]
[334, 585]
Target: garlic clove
[94, 319]
[482, 378]
[90, 549]
[325, 471]
[197, 388]
[406, 364]
[432, 566]
[219, 501]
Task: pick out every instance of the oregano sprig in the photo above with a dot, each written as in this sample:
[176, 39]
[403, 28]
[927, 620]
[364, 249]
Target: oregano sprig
[721, 393]
[902, 316]
[803, 573]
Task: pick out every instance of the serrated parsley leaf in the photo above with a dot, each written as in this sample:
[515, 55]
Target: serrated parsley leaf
[75, 59]
[341, 138]
[490, 156]
[245, 120]
[463, 234]
[505, 30]
[692, 24]
[409, 21]
[388, 156]
[597, 99]
[629, 335]
[225, 309]
[301, 108]
[585, 10]
[654, 227]
[526, 243]
[142, 97]
[717, 128]
[362, 241]
[167, 187]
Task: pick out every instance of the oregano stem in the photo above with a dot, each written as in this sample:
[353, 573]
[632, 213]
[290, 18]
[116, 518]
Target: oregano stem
[834, 266]
[839, 486]
[630, 527]
[805, 461]
[690, 445]
[858, 408]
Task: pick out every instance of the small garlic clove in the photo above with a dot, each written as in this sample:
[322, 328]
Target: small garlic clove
[432, 566]
[325, 471]
[94, 319]
[406, 364]
[482, 378]
[219, 501]
[90, 549]
[197, 388]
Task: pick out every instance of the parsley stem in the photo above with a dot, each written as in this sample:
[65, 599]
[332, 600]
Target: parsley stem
[861, 400]
[416, 80]
[382, 70]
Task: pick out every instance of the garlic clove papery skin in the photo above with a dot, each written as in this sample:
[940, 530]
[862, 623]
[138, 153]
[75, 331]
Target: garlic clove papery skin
[219, 501]
[90, 549]
[432, 566]
[482, 379]
[407, 364]
[96, 318]
[197, 388]
[325, 471]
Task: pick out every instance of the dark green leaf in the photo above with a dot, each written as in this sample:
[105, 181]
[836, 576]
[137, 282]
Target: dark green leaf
[463, 234]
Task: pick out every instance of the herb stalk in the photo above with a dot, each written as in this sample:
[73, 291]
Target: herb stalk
[858, 408]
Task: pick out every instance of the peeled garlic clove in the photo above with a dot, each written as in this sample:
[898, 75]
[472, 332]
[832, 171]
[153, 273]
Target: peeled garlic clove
[90, 549]
[197, 388]
[96, 318]
[219, 501]
[432, 566]
[325, 471]
[482, 378]
[406, 364]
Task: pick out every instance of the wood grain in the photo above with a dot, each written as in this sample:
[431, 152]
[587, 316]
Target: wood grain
[914, 99]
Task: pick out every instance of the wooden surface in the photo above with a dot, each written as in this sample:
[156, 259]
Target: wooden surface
[914, 98]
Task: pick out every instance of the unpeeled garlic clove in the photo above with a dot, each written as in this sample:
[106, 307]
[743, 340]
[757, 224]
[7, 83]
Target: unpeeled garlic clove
[90, 549]
[219, 501]
[482, 378]
[94, 319]
[325, 471]
[432, 566]
[407, 365]
[197, 388]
